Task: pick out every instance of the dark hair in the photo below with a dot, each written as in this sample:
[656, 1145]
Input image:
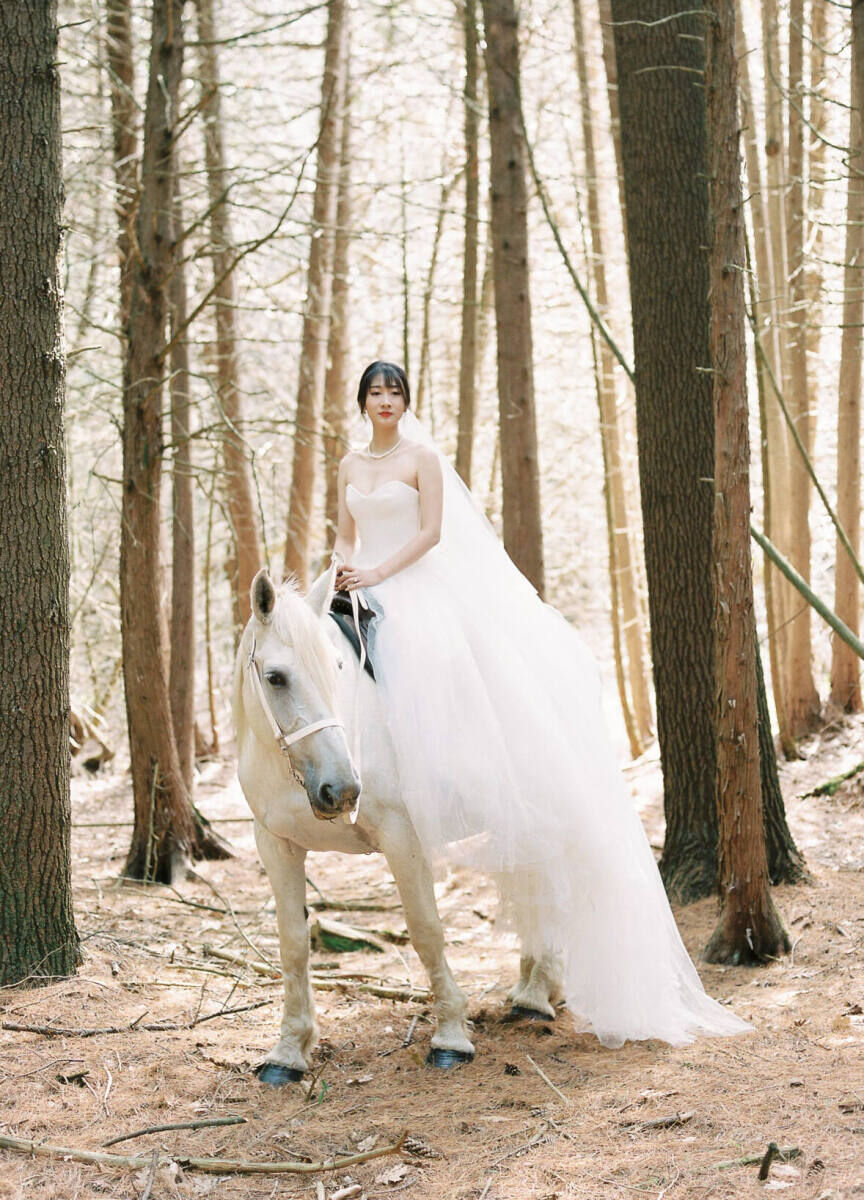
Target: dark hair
[392, 375]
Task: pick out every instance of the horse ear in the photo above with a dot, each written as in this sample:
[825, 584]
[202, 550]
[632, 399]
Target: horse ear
[321, 592]
[263, 594]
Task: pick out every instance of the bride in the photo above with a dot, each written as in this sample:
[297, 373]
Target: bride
[494, 711]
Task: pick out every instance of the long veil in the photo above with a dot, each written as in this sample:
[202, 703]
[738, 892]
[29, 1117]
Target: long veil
[527, 788]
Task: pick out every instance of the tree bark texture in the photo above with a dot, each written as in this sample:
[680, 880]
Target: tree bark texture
[468, 340]
[316, 314]
[774, 436]
[818, 35]
[622, 564]
[37, 929]
[520, 476]
[785, 861]
[786, 603]
[337, 380]
[425, 368]
[749, 928]
[181, 679]
[845, 667]
[610, 65]
[803, 699]
[166, 826]
[124, 137]
[660, 57]
[245, 559]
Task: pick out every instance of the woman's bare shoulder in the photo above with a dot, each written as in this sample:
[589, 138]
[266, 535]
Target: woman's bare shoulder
[424, 456]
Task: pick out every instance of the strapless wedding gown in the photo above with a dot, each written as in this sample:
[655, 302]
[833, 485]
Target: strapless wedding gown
[493, 704]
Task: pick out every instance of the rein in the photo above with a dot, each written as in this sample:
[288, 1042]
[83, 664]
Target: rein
[285, 740]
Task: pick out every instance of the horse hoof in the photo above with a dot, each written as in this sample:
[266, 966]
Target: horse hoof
[445, 1059]
[277, 1075]
[519, 1013]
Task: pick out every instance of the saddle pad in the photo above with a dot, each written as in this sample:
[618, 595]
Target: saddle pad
[340, 611]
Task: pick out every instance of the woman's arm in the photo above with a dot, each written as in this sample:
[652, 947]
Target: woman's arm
[346, 532]
[430, 485]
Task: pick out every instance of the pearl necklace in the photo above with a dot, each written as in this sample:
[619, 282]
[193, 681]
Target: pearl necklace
[385, 452]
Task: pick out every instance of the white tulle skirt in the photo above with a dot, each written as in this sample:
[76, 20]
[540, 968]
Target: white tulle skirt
[494, 707]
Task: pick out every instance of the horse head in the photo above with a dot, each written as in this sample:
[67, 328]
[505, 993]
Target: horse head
[289, 691]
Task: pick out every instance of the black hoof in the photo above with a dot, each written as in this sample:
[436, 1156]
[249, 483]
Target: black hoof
[447, 1058]
[277, 1075]
[519, 1013]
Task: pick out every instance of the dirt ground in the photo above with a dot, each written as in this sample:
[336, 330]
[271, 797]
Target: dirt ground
[543, 1112]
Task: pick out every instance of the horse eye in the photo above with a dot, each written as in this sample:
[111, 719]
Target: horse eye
[276, 679]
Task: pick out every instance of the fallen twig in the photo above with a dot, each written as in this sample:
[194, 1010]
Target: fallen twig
[540, 1136]
[58, 1031]
[406, 1041]
[54, 1062]
[346, 905]
[832, 785]
[230, 909]
[154, 1162]
[324, 984]
[669, 1122]
[205, 1124]
[150, 1026]
[260, 968]
[337, 935]
[372, 989]
[546, 1079]
[213, 1166]
[224, 1012]
[353, 1189]
[783, 1155]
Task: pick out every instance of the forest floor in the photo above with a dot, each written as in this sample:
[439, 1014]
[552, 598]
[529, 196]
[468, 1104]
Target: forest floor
[542, 1112]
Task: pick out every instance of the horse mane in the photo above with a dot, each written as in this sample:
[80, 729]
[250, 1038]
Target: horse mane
[295, 624]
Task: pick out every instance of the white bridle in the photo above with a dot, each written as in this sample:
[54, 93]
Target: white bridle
[285, 740]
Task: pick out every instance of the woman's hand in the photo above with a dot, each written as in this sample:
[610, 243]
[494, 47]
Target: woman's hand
[349, 578]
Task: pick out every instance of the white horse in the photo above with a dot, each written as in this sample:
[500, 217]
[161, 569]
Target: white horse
[297, 689]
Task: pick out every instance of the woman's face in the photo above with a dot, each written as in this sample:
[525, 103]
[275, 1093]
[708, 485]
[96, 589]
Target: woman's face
[385, 403]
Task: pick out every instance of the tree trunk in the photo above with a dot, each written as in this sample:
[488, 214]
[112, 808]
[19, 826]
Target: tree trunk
[774, 438]
[244, 559]
[124, 136]
[468, 340]
[165, 827]
[622, 564]
[610, 64]
[336, 381]
[803, 699]
[845, 667]
[749, 928]
[181, 679]
[316, 313]
[819, 34]
[666, 202]
[424, 370]
[787, 603]
[38, 939]
[785, 861]
[520, 477]
[403, 253]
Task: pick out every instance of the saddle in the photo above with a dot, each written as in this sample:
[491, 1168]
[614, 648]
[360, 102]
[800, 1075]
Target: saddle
[342, 614]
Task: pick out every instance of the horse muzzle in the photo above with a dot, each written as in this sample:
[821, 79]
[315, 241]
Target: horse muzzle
[332, 799]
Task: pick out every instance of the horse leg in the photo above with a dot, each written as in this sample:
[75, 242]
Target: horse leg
[540, 983]
[539, 987]
[450, 1042]
[285, 864]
